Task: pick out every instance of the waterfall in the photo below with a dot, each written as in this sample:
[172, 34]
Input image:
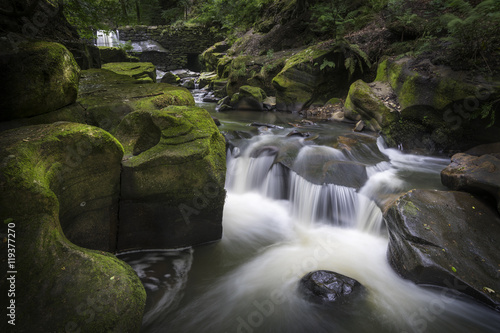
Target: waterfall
[107, 38]
[280, 223]
[256, 170]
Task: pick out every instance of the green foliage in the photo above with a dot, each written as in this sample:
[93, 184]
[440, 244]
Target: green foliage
[327, 63]
[474, 33]
[332, 16]
[487, 110]
[353, 55]
[91, 15]
[230, 14]
[127, 46]
[270, 54]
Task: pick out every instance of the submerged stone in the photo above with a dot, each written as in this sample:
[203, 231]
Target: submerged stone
[330, 288]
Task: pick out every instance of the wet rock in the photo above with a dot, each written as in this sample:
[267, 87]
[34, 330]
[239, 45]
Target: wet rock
[248, 98]
[173, 179]
[447, 239]
[360, 126]
[189, 84]
[475, 174]
[206, 78]
[330, 288]
[269, 103]
[300, 81]
[297, 133]
[59, 185]
[170, 78]
[363, 103]
[37, 78]
[114, 54]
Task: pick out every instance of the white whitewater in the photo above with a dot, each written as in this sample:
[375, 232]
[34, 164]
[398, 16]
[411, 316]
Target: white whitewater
[284, 227]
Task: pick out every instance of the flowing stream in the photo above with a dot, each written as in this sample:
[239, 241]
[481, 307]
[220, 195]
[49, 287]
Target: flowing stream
[280, 225]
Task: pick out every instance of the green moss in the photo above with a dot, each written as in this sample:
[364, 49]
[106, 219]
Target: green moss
[61, 280]
[410, 209]
[408, 93]
[382, 71]
[39, 78]
[143, 71]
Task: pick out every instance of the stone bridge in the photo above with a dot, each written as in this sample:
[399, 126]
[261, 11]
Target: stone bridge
[180, 47]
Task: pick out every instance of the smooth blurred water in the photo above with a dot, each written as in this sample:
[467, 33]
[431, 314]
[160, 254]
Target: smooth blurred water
[278, 226]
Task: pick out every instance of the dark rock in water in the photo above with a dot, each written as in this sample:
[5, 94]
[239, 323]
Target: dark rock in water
[447, 239]
[297, 133]
[266, 125]
[474, 174]
[216, 121]
[170, 78]
[224, 107]
[210, 99]
[265, 151]
[330, 288]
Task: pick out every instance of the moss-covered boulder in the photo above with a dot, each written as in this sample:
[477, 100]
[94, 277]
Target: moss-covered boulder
[302, 80]
[440, 109]
[249, 98]
[448, 239]
[419, 82]
[170, 78]
[366, 102]
[74, 113]
[142, 71]
[115, 54]
[173, 178]
[57, 179]
[37, 78]
[108, 97]
[213, 54]
[206, 79]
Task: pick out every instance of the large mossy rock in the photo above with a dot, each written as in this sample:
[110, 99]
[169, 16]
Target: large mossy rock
[440, 109]
[108, 97]
[37, 78]
[115, 54]
[64, 178]
[475, 174]
[366, 102]
[173, 179]
[211, 56]
[447, 239]
[249, 98]
[301, 81]
[142, 71]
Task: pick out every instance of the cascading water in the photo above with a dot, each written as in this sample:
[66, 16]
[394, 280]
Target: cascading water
[278, 226]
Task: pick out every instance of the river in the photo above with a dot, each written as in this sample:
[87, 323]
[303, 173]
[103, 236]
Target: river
[278, 226]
